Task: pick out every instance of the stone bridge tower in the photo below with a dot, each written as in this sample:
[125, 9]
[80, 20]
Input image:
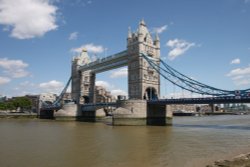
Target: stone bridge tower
[143, 81]
[82, 88]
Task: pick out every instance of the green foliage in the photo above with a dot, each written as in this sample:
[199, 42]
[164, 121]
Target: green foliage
[2, 106]
[10, 105]
[22, 102]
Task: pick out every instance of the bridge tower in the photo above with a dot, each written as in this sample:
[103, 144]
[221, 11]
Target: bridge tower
[143, 81]
[82, 86]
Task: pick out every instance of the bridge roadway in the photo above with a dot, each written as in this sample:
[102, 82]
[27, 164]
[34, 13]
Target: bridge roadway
[207, 100]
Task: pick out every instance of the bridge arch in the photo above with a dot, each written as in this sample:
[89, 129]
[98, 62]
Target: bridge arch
[86, 99]
[150, 93]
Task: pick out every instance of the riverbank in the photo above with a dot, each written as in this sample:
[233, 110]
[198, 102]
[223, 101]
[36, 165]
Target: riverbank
[17, 115]
[242, 160]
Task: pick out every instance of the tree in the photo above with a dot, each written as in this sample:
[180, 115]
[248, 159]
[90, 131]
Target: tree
[9, 105]
[22, 102]
[2, 106]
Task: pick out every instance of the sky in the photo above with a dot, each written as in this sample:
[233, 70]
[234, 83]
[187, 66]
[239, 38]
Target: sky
[208, 40]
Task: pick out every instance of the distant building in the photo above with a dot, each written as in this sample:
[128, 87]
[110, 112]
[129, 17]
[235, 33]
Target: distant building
[47, 97]
[3, 98]
[102, 95]
[34, 102]
[208, 108]
[67, 97]
[183, 107]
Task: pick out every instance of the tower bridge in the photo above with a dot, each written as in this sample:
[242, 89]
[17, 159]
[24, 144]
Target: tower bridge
[143, 81]
[142, 57]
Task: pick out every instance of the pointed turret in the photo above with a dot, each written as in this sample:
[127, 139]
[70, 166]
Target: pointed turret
[129, 38]
[157, 37]
[129, 33]
[142, 31]
[142, 22]
[157, 40]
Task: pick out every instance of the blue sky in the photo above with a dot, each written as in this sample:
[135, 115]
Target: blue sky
[208, 40]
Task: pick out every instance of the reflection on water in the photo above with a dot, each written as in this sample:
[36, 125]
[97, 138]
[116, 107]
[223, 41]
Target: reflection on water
[191, 141]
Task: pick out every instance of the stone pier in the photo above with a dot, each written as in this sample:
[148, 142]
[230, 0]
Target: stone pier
[69, 111]
[138, 112]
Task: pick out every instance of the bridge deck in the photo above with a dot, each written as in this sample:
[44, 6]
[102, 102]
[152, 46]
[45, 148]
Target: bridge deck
[208, 100]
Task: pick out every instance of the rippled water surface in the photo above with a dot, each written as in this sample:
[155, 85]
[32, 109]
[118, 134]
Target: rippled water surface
[191, 141]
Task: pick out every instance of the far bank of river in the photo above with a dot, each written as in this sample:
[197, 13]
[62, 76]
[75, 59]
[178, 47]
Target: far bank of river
[17, 115]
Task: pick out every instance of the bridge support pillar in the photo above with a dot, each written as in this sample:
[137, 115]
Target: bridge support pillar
[130, 112]
[138, 112]
[159, 114]
[91, 114]
[69, 112]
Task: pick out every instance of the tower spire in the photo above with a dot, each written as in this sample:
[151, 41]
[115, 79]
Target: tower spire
[142, 22]
[157, 37]
[129, 33]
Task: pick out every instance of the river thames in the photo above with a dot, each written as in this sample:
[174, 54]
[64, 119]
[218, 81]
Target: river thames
[191, 141]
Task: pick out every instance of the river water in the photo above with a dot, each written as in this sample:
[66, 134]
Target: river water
[191, 141]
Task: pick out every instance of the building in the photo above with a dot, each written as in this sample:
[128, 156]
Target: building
[183, 107]
[3, 98]
[102, 95]
[34, 102]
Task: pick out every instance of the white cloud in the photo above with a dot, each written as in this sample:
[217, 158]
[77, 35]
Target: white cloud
[178, 47]
[240, 76]
[28, 87]
[160, 30]
[14, 68]
[73, 36]
[9, 64]
[4, 80]
[122, 72]
[91, 48]
[51, 86]
[239, 71]
[25, 88]
[28, 18]
[117, 92]
[235, 61]
[18, 73]
[104, 84]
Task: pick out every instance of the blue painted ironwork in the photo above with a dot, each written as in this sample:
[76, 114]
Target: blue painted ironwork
[56, 105]
[188, 83]
[206, 100]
